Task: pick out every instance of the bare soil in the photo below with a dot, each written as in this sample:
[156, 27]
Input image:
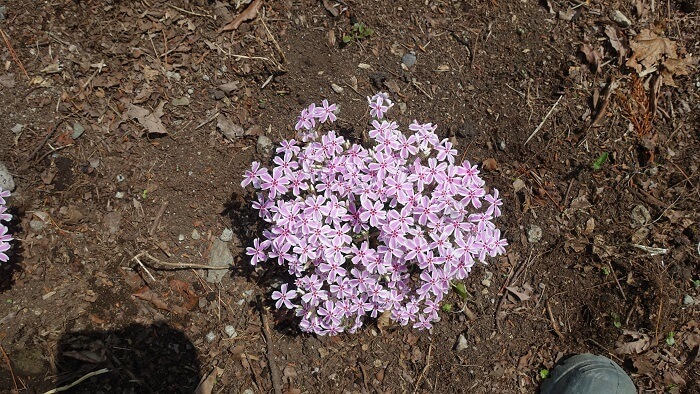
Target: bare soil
[121, 155]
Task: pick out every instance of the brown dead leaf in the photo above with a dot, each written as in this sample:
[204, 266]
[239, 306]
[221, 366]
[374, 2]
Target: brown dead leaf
[594, 57]
[206, 385]
[523, 293]
[616, 42]
[384, 321]
[676, 67]
[250, 13]
[639, 342]
[146, 294]
[490, 164]
[149, 120]
[332, 7]
[648, 50]
[228, 128]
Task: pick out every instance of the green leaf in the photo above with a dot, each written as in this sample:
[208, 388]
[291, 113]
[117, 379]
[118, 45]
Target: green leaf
[447, 308]
[544, 373]
[460, 289]
[599, 161]
[671, 338]
[346, 38]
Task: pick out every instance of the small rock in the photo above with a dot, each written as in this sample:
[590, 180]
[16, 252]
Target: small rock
[78, 130]
[17, 128]
[226, 235]
[6, 180]
[195, 234]
[264, 146]
[402, 108]
[248, 391]
[534, 234]
[220, 256]
[688, 300]
[337, 88]
[179, 102]
[36, 225]
[3, 9]
[461, 343]
[181, 237]
[486, 282]
[618, 17]
[211, 336]
[230, 331]
[119, 195]
[409, 59]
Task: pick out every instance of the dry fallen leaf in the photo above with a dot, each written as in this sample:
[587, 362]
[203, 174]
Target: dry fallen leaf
[648, 50]
[206, 385]
[616, 42]
[228, 128]
[640, 342]
[331, 7]
[250, 13]
[594, 57]
[149, 120]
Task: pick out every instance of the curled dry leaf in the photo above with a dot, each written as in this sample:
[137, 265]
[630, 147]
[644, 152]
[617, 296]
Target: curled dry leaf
[149, 120]
[206, 385]
[594, 57]
[639, 342]
[616, 42]
[250, 13]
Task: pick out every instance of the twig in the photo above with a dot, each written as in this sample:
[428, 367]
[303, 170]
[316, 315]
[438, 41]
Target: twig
[555, 326]
[88, 376]
[144, 267]
[156, 221]
[543, 120]
[13, 53]
[425, 369]
[508, 283]
[189, 12]
[612, 271]
[274, 41]
[209, 119]
[180, 265]
[274, 372]
[43, 142]
[9, 365]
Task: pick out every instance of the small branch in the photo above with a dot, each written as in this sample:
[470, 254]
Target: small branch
[619, 286]
[68, 387]
[9, 365]
[554, 322]
[543, 120]
[144, 267]
[13, 53]
[179, 265]
[274, 372]
[156, 221]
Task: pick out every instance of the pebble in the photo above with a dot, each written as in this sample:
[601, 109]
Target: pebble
[486, 282]
[6, 180]
[36, 225]
[220, 256]
[230, 331]
[688, 300]
[119, 195]
[195, 234]
[226, 235]
[534, 234]
[337, 88]
[248, 391]
[461, 343]
[211, 336]
[618, 17]
[181, 237]
[409, 59]
[264, 146]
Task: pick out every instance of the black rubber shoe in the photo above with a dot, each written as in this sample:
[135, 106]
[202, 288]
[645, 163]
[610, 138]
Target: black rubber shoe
[588, 374]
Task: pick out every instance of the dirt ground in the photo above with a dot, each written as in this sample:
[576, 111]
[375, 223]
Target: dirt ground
[127, 126]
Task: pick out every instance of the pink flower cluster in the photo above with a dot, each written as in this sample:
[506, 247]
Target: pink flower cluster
[366, 230]
[5, 238]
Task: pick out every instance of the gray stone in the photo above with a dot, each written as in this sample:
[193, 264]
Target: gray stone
[220, 256]
[618, 17]
[230, 331]
[534, 234]
[226, 235]
[688, 300]
[409, 59]
[211, 336]
[6, 180]
[461, 343]
[264, 146]
[195, 234]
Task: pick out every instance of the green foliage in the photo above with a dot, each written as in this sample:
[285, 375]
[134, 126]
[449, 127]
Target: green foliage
[696, 283]
[544, 373]
[447, 308]
[605, 271]
[671, 338]
[461, 290]
[599, 161]
[359, 32]
[616, 320]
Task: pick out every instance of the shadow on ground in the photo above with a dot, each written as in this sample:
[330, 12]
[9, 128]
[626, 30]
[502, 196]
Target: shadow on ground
[140, 359]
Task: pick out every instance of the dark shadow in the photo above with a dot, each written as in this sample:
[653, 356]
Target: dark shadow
[9, 269]
[140, 359]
